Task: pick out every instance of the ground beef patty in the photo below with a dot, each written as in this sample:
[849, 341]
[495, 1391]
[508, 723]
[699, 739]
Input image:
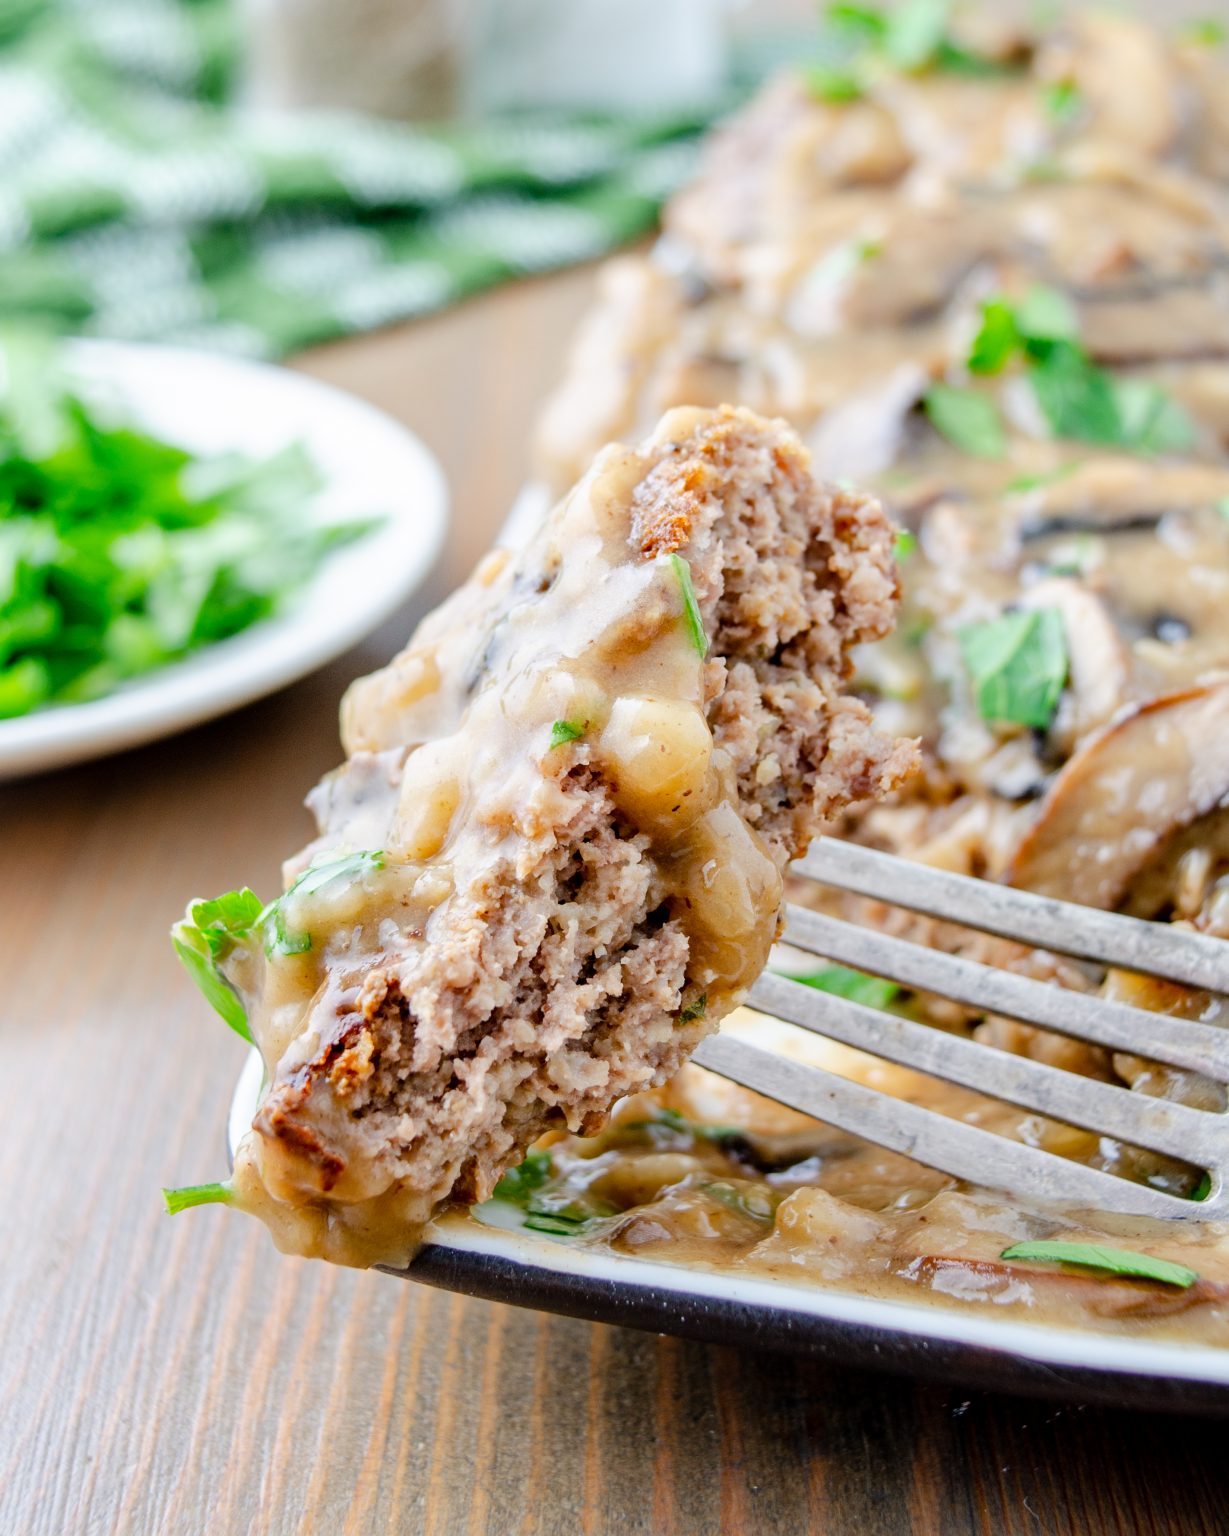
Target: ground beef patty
[553, 860]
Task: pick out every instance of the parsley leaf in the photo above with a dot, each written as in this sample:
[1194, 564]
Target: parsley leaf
[691, 608]
[1076, 397]
[968, 420]
[677, 1125]
[750, 1200]
[1042, 316]
[905, 544]
[1080, 400]
[281, 941]
[520, 1182]
[828, 83]
[860, 23]
[1206, 32]
[557, 1223]
[857, 986]
[1018, 665]
[1021, 483]
[1150, 420]
[915, 31]
[997, 339]
[177, 1200]
[553, 1211]
[204, 938]
[564, 731]
[695, 1009]
[1114, 1261]
[1030, 327]
[1062, 100]
[913, 36]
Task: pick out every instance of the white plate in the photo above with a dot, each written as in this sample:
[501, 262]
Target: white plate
[371, 466]
[492, 1256]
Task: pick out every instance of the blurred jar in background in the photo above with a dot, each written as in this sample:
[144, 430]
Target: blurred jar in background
[429, 58]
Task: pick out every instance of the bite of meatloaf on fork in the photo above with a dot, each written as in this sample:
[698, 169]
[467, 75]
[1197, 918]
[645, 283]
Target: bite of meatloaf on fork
[553, 860]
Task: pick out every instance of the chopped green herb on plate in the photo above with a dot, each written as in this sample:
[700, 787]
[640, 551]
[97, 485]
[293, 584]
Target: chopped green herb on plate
[970, 421]
[184, 1199]
[691, 608]
[842, 981]
[564, 731]
[1018, 665]
[1113, 1261]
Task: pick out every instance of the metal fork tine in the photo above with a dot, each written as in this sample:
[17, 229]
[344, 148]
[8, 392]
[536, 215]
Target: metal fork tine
[1181, 1042]
[964, 1151]
[1189, 1134]
[1193, 959]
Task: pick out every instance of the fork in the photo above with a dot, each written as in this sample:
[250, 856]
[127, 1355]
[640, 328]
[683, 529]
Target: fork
[1196, 1136]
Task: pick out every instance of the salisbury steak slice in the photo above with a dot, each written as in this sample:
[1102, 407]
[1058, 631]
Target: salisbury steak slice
[553, 860]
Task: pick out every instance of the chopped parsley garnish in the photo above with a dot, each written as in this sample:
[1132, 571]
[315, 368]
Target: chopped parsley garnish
[564, 731]
[915, 33]
[1150, 420]
[1205, 32]
[1077, 398]
[912, 36]
[212, 928]
[1062, 100]
[1113, 1261]
[996, 339]
[967, 419]
[1022, 483]
[691, 608]
[860, 23]
[520, 1182]
[905, 544]
[694, 1009]
[1017, 665]
[914, 633]
[1028, 327]
[554, 1212]
[557, 1223]
[842, 981]
[205, 937]
[669, 1120]
[281, 941]
[121, 552]
[177, 1200]
[833, 85]
[756, 1203]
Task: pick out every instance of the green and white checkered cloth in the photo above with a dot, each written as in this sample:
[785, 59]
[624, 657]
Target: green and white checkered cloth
[135, 202]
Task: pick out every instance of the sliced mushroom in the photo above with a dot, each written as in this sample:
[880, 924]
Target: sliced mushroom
[1099, 663]
[1127, 798]
[862, 437]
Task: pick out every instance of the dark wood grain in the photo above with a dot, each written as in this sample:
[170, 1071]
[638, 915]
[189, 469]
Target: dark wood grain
[179, 1376]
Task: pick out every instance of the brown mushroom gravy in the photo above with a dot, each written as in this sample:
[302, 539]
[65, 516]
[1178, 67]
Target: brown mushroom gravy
[1000, 297]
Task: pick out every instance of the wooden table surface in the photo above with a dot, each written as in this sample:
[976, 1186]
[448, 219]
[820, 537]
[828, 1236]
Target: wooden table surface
[179, 1376]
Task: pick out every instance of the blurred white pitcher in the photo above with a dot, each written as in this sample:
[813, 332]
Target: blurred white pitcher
[427, 58]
